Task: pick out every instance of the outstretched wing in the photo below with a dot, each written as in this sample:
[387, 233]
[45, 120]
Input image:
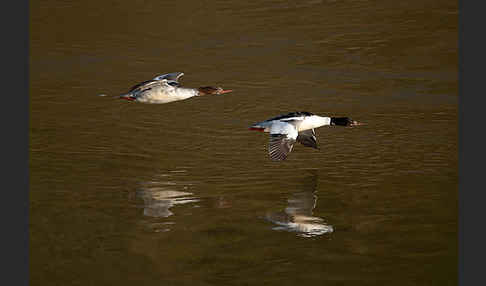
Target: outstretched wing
[308, 138]
[146, 86]
[142, 85]
[172, 78]
[280, 146]
[298, 115]
[169, 79]
[282, 139]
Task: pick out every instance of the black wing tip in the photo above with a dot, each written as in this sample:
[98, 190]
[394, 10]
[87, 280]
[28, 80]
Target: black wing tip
[178, 75]
[277, 156]
[308, 138]
[314, 147]
[174, 76]
[278, 159]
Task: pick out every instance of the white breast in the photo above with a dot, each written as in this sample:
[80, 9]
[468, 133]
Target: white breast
[313, 121]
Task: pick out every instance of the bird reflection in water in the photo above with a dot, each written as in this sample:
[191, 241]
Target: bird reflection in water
[161, 195]
[158, 201]
[297, 216]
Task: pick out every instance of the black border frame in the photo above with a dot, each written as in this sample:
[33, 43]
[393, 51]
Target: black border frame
[16, 122]
[15, 143]
[471, 169]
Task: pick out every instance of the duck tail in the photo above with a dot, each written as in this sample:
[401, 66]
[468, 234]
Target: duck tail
[126, 96]
[257, 127]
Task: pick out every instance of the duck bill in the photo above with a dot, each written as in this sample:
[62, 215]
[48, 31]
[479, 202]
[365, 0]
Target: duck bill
[356, 123]
[257, 129]
[226, 91]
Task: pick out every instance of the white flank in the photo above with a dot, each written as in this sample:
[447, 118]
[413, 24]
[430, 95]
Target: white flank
[165, 94]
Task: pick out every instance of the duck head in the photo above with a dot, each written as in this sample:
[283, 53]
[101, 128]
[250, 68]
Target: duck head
[205, 90]
[344, 121]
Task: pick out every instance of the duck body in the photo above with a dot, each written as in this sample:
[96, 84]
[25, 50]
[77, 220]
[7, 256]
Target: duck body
[160, 92]
[300, 121]
[293, 127]
[166, 88]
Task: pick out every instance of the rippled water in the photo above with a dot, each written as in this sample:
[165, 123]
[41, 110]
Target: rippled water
[184, 194]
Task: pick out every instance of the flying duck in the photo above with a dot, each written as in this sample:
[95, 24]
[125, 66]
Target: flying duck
[286, 129]
[166, 88]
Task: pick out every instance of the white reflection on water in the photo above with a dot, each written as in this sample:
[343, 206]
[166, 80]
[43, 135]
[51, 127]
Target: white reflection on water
[158, 201]
[298, 215]
[163, 193]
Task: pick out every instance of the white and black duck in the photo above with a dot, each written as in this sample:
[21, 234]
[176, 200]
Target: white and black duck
[293, 127]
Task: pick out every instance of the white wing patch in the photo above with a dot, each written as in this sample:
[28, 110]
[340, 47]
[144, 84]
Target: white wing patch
[284, 128]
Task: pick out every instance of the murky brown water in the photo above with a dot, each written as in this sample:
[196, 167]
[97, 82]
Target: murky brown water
[184, 194]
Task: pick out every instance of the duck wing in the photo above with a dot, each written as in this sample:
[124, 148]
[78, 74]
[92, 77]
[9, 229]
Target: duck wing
[298, 115]
[282, 138]
[147, 86]
[308, 138]
[172, 78]
[142, 85]
[280, 146]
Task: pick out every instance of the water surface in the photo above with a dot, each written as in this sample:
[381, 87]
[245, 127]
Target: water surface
[184, 194]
